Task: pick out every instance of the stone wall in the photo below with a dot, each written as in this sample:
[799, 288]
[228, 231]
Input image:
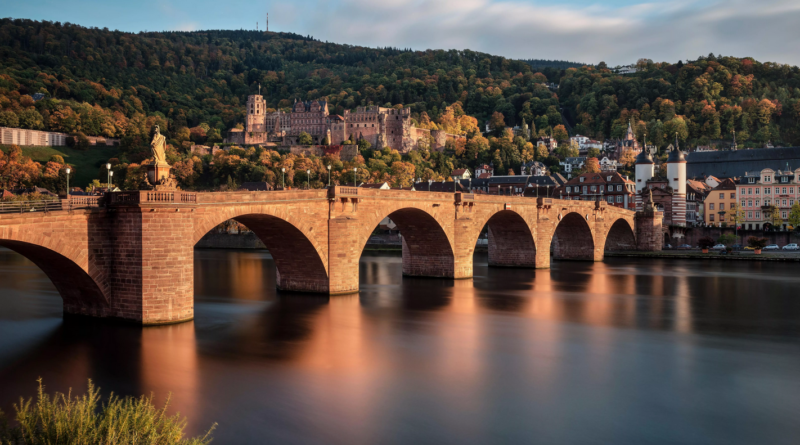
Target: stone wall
[694, 234]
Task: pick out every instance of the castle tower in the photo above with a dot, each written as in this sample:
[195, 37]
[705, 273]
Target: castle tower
[676, 175]
[256, 116]
[645, 170]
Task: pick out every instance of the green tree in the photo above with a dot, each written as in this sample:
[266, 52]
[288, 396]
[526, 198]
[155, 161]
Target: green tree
[775, 218]
[794, 216]
[560, 133]
[9, 119]
[304, 139]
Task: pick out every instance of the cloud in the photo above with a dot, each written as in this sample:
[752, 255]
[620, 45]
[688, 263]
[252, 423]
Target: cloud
[659, 30]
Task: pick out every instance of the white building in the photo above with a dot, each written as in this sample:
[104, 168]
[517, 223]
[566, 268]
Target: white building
[573, 164]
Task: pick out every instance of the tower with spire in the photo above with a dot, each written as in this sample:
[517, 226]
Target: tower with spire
[676, 177]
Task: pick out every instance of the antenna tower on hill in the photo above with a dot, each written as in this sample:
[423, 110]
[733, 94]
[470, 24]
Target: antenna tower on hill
[267, 22]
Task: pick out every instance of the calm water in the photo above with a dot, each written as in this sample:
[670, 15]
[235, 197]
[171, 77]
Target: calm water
[621, 352]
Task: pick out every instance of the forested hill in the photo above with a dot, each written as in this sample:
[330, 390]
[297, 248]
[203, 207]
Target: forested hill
[111, 83]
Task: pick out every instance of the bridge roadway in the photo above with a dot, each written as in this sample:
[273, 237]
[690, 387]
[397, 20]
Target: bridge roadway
[130, 254]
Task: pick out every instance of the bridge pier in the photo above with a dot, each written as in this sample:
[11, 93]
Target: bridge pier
[152, 267]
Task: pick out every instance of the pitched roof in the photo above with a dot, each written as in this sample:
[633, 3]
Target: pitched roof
[737, 162]
[458, 172]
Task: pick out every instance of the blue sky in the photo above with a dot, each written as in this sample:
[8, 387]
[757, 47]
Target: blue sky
[617, 31]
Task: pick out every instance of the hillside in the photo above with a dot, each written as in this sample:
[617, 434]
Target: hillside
[193, 84]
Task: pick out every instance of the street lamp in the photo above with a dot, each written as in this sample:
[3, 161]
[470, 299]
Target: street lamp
[355, 176]
[110, 176]
[308, 179]
[108, 167]
[283, 181]
[68, 171]
[429, 184]
[329, 176]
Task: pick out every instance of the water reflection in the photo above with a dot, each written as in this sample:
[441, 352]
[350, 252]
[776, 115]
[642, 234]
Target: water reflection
[632, 351]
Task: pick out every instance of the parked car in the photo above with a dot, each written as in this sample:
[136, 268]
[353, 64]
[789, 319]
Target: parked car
[719, 247]
[792, 246]
[667, 246]
[736, 247]
[684, 246]
[772, 247]
[749, 248]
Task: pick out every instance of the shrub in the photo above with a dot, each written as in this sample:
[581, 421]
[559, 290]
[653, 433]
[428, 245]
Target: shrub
[705, 242]
[756, 242]
[64, 419]
[727, 239]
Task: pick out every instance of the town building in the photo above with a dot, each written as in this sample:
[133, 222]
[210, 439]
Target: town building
[21, 136]
[609, 165]
[611, 187]
[484, 169]
[534, 168]
[615, 147]
[460, 173]
[719, 202]
[757, 192]
[696, 192]
[571, 165]
[548, 142]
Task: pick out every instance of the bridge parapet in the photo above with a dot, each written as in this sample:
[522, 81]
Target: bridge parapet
[151, 197]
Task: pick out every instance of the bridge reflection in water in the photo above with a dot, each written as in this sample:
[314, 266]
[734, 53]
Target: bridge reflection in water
[515, 352]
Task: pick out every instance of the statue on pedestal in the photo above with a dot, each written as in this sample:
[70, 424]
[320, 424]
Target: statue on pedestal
[158, 175]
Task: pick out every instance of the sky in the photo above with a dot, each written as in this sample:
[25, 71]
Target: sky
[618, 32]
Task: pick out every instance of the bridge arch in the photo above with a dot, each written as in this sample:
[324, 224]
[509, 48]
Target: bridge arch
[511, 242]
[427, 247]
[80, 283]
[294, 245]
[620, 236]
[573, 238]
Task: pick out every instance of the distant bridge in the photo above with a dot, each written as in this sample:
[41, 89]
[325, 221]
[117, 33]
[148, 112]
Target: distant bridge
[130, 255]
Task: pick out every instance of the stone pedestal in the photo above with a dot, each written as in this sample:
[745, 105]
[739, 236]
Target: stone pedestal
[158, 177]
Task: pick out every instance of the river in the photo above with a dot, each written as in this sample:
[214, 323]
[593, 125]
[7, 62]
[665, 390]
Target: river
[619, 352]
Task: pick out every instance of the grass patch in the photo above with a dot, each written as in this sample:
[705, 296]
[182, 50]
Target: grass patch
[87, 163]
[67, 419]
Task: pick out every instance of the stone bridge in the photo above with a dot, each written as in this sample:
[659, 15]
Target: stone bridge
[130, 255]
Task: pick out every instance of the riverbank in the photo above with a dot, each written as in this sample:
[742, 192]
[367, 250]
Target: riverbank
[744, 255]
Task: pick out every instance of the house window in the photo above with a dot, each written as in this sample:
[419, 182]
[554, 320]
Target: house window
[743, 203]
[751, 180]
[749, 203]
[721, 196]
[619, 198]
[783, 215]
[758, 190]
[568, 189]
[582, 179]
[750, 191]
[584, 189]
[733, 195]
[749, 214]
[722, 206]
[767, 190]
[610, 199]
[608, 178]
[594, 188]
[758, 216]
[711, 206]
[619, 188]
[783, 190]
[784, 203]
[711, 216]
[757, 201]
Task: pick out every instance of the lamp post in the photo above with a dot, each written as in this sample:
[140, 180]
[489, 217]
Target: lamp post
[68, 171]
[429, 184]
[329, 176]
[108, 167]
[283, 181]
[110, 176]
[355, 176]
[308, 179]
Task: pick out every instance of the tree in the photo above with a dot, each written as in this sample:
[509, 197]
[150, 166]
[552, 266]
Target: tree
[497, 122]
[402, 174]
[794, 216]
[592, 165]
[560, 133]
[593, 153]
[757, 243]
[727, 239]
[9, 119]
[304, 139]
[705, 242]
[774, 215]
[736, 214]
[627, 158]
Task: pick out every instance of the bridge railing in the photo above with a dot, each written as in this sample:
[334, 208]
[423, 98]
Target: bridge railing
[31, 206]
[152, 197]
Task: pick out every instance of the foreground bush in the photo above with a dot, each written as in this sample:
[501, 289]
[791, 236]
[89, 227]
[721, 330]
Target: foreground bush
[64, 419]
